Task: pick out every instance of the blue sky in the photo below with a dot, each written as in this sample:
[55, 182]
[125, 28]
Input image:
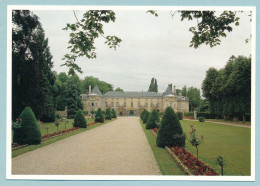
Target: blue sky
[151, 47]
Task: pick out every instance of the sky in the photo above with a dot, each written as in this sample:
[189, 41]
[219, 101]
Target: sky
[151, 47]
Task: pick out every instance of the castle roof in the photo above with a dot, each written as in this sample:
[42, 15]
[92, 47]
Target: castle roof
[168, 92]
[96, 91]
[131, 94]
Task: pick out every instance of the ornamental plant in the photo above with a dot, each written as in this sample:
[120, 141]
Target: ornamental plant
[194, 140]
[29, 132]
[220, 160]
[170, 128]
[57, 123]
[152, 120]
[108, 114]
[180, 116]
[201, 119]
[99, 116]
[142, 114]
[80, 120]
[17, 124]
[146, 116]
[114, 113]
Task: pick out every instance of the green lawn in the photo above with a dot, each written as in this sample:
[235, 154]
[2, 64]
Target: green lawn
[52, 140]
[165, 162]
[52, 128]
[234, 143]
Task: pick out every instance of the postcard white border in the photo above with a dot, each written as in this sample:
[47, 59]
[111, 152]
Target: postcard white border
[9, 174]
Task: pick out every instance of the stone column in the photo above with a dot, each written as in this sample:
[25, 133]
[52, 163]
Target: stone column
[195, 114]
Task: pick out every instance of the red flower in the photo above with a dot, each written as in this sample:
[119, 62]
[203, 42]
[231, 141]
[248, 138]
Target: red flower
[202, 136]
[191, 125]
[194, 129]
[21, 119]
[189, 132]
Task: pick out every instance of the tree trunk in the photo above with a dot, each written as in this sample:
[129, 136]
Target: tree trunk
[244, 118]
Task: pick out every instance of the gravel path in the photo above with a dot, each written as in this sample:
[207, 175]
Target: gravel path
[117, 148]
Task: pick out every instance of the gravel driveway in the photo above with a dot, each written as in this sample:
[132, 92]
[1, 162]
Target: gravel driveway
[117, 148]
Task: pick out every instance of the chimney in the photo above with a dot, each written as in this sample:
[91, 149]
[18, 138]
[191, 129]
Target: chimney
[174, 91]
[89, 89]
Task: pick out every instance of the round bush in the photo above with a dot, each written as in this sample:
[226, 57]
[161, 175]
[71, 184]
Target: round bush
[146, 116]
[29, 132]
[152, 120]
[80, 120]
[170, 131]
[201, 119]
[99, 116]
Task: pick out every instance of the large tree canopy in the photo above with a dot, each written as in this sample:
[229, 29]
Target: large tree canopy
[153, 87]
[32, 79]
[102, 85]
[210, 27]
[228, 90]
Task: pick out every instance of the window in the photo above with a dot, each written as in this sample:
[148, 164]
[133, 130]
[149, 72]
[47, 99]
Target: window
[146, 104]
[92, 104]
[182, 106]
[112, 104]
[117, 104]
[151, 105]
[138, 104]
[124, 104]
[171, 105]
[106, 104]
[132, 104]
[158, 104]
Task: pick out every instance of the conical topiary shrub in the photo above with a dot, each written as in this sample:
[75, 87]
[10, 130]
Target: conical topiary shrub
[114, 113]
[146, 116]
[108, 113]
[152, 120]
[80, 120]
[29, 132]
[99, 116]
[142, 114]
[170, 132]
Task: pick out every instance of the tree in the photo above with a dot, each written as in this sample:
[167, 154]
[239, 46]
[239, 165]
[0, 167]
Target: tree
[73, 96]
[184, 91]
[84, 33]
[61, 84]
[80, 120]
[153, 87]
[118, 89]
[194, 97]
[170, 131]
[142, 114]
[103, 86]
[153, 120]
[146, 116]
[114, 113]
[108, 114]
[28, 132]
[99, 116]
[32, 79]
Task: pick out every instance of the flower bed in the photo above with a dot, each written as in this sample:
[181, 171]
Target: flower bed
[46, 136]
[188, 117]
[196, 166]
[187, 161]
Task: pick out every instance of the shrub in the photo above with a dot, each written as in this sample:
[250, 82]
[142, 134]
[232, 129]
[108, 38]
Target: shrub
[170, 131]
[80, 120]
[201, 119]
[152, 120]
[146, 116]
[85, 113]
[180, 116]
[108, 113]
[29, 132]
[99, 116]
[142, 115]
[188, 114]
[114, 113]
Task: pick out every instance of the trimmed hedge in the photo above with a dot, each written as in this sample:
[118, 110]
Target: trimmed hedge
[99, 116]
[108, 114]
[152, 120]
[180, 116]
[114, 113]
[80, 120]
[146, 116]
[29, 132]
[170, 131]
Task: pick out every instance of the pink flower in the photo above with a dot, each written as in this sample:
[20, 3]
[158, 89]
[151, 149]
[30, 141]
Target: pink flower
[21, 119]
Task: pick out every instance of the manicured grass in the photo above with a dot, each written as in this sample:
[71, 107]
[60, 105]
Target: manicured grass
[52, 128]
[52, 140]
[234, 143]
[230, 122]
[165, 162]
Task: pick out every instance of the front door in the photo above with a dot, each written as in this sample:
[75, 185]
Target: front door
[131, 112]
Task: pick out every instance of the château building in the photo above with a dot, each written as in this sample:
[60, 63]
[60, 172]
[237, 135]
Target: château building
[133, 103]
